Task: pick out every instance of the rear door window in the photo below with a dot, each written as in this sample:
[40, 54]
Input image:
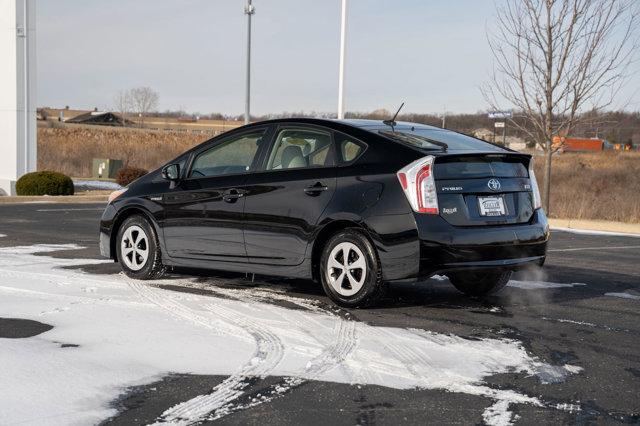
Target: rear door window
[301, 148]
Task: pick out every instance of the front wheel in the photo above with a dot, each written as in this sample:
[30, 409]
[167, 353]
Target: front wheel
[350, 271]
[138, 249]
[481, 283]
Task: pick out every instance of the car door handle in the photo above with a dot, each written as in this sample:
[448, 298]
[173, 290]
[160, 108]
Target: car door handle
[315, 189]
[232, 195]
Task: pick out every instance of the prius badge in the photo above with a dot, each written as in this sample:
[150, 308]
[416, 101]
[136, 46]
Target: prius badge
[494, 184]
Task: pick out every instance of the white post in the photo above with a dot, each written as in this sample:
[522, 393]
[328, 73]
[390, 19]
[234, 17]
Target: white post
[17, 86]
[343, 35]
[248, 10]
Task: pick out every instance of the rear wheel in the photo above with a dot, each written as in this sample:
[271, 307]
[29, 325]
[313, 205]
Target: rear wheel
[480, 283]
[138, 249]
[350, 271]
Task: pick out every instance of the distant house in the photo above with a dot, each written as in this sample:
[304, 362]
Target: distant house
[99, 118]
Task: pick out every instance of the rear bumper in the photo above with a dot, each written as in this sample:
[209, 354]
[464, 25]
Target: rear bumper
[446, 248]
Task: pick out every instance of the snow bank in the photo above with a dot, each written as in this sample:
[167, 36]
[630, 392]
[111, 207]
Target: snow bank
[88, 185]
[132, 333]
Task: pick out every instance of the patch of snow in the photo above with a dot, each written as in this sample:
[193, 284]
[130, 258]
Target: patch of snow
[568, 407]
[498, 414]
[590, 324]
[536, 285]
[86, 185]
[439, 277]
[573, 369]
[2, 235]
[623, 295]
[592, 232]
[132, 333]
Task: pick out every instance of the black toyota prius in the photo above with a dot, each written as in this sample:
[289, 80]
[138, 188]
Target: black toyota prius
[352, 204]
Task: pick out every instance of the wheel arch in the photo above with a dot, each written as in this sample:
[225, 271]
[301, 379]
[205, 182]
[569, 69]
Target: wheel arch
[123, 215]
[324, 235]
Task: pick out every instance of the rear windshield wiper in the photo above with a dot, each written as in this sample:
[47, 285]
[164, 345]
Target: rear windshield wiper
[415, 140]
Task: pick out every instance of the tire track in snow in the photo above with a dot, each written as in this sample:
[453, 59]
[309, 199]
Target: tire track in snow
[343, 343]
[268, 354]
[176, 309]
[222, 401]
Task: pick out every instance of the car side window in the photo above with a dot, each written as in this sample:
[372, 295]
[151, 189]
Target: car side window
[348, 149]
[230, 157]
[300, 148]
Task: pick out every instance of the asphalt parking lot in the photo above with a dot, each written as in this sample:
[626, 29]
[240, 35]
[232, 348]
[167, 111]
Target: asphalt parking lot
[580, 310]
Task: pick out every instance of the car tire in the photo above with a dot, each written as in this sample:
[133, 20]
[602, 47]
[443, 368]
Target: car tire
[138, 249]
[359, 285]
[480, 283]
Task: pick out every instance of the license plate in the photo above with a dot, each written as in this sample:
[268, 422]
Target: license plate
[491, 206]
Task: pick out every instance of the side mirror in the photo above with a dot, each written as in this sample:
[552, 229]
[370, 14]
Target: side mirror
[172, 174]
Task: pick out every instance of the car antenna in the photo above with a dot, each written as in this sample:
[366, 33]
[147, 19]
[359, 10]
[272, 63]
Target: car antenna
[392, 122]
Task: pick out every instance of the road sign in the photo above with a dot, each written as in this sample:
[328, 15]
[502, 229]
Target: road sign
[499, 124]
[499, 114]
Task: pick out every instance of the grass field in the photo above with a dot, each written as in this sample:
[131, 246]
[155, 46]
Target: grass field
[71, 150]
[602, 186]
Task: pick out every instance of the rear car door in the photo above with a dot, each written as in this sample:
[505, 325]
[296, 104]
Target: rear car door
[204, 213]
[285, 200]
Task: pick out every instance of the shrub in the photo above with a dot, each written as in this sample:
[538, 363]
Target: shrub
[126, 175]
[44, 183]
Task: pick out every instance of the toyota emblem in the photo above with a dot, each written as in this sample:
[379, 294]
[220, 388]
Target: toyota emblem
[494, 184]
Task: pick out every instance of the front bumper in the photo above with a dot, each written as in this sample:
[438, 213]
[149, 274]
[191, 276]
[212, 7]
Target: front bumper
[106, 226]
[446, 248]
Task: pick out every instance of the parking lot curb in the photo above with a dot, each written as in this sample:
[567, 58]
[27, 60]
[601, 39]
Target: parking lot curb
[68, 199]
[596, 225]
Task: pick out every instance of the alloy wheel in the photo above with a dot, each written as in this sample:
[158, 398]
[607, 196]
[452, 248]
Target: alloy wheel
[134, 248]
[346, 269]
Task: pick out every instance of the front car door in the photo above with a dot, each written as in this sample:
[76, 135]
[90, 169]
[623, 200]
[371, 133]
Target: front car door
[205, 210]
[286, 198]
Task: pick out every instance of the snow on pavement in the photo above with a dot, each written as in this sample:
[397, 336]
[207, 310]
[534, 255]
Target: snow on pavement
[624, 295]
[537, 285]
[133, 333]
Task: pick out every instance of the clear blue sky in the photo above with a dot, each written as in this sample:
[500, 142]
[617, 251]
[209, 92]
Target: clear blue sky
[431, 54]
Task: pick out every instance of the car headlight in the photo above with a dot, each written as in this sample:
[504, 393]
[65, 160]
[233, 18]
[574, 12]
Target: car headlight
[116, 194]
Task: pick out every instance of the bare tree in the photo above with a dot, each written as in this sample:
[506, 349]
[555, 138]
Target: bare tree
[123, 104]
[144, 100]
[553, 59]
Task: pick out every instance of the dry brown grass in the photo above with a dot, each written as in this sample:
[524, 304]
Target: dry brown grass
[71, 150]
[604, 186]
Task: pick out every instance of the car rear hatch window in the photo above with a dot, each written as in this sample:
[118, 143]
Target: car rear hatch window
[484, 189]
[439, 140]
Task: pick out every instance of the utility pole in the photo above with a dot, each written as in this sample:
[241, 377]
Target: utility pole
[248, 10]
[343, 34]
[444, 117]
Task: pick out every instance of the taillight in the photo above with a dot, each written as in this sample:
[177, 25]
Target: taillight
[537, 201]
[419, 185]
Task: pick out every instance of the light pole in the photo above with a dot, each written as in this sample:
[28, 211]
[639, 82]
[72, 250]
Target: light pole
[343, 34]
[248, 10]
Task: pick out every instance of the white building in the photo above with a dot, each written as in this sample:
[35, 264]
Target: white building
[17, 92]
